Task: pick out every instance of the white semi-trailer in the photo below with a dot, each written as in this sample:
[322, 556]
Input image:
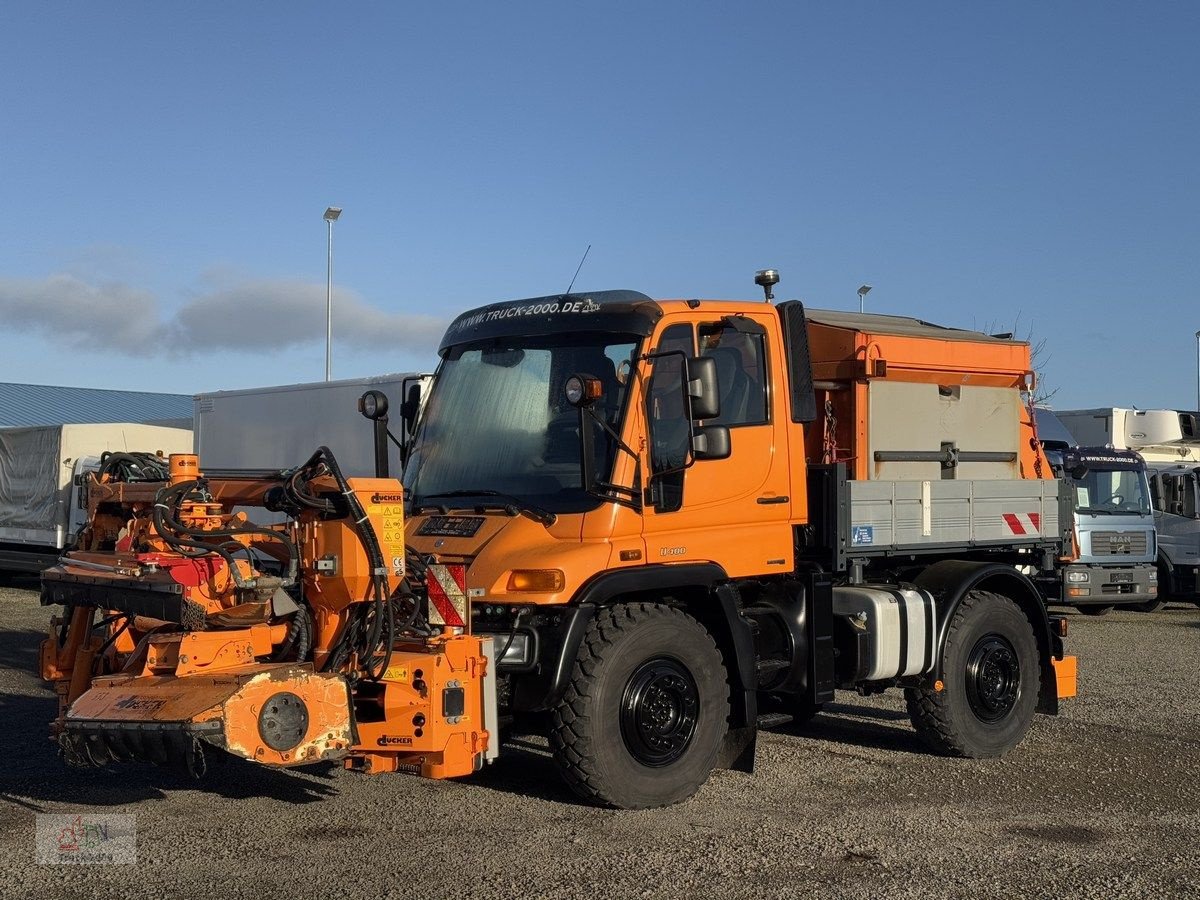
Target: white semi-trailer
[1169, 441]
[278, 427]
[39, 509]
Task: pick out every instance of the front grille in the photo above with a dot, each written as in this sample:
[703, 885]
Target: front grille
[1116, 589]
[1111, 543]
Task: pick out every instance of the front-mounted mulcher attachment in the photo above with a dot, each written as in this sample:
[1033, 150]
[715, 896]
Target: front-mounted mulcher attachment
[189, 630]
[283, 715]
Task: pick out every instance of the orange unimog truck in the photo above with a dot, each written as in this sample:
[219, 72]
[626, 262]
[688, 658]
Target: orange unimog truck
[682, 519]
[658, 524]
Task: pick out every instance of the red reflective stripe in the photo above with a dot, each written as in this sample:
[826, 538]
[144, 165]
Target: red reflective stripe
[1014, 524]
[1036, 519]
[438, 596]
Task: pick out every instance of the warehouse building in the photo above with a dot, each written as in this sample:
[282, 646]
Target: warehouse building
[43, 404]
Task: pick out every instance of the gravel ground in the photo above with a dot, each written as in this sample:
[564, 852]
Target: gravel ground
[1101, 801]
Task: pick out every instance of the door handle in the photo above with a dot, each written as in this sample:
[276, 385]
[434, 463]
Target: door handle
[767, 500]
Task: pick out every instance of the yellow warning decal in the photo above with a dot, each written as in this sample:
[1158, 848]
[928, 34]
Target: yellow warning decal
[396, 673]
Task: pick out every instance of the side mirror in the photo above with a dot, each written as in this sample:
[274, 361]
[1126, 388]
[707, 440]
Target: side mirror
[711, 442]
[702, 388]
[410, 407]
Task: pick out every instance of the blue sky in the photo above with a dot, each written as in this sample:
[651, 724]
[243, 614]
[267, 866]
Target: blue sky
[166, 168]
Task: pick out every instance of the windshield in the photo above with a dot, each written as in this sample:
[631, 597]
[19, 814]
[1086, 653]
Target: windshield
[497, 420]
[1102, 492]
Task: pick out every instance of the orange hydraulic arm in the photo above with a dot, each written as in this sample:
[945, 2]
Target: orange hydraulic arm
[187, 627]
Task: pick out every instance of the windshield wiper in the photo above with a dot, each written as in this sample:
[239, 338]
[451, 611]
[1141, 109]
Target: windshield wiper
[509, 503]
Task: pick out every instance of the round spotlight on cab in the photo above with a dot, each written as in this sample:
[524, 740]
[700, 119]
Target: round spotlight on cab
[373, 404]
[582, 390]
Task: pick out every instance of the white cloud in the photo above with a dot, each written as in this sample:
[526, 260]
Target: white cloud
[250, 315]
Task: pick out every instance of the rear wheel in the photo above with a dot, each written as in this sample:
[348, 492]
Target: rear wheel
[1095, 610]
[642, 720]
[991, 681]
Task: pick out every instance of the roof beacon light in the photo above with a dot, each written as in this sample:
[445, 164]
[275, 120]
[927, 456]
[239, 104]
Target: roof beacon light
[767, 279]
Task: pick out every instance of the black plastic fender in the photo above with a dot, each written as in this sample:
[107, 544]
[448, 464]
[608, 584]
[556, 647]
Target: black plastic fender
[950, 580]
[559, 646]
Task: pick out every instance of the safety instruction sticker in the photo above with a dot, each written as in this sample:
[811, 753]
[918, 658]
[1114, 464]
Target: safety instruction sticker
[862, 534]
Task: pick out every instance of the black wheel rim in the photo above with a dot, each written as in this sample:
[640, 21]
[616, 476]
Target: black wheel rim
[658, 712]
[993, 678]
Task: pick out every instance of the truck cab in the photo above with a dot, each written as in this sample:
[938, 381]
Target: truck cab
[1169, 441]
[681, 518]
[1175, 489]
[1115, 545]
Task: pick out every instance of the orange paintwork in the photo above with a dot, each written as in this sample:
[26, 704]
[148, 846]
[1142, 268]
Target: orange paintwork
[235, 697]
[222, 673]
[1065, 676]
[851, 359]
[413, 733]
[740, 513]
[732, 514]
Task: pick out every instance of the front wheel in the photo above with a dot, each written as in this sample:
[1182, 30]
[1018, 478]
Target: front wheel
[990, 684]
[1149, 606]
[644, 715]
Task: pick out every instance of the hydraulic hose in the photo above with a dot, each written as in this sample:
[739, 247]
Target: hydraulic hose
[170, 518]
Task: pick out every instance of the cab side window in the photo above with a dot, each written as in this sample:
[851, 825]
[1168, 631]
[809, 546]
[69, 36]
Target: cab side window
[740, 355]
[669, 427]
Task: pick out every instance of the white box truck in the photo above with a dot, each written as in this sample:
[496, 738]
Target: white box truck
[1169, 441]
[279, 427]
[39, 509]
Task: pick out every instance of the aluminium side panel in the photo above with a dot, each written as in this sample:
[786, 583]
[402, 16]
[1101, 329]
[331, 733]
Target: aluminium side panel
[889, 516]
[279, 427]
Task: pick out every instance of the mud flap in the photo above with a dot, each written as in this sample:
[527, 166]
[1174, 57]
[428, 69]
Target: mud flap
[737, 750]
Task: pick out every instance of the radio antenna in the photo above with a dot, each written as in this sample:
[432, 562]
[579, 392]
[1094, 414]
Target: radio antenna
[577, 268]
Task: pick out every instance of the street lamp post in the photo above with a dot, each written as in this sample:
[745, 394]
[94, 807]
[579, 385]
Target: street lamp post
[1198, 370]
[862, 294]
[331, 216]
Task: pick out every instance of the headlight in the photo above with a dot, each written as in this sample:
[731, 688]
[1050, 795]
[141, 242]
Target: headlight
[517, 652]
[1154, 576]
[1078, 577]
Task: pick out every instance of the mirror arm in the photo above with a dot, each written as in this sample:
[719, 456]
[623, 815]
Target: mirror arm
[589, 483]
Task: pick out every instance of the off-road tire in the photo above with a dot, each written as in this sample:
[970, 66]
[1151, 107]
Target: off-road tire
[597, 724]
[1095, 611]
[987, 636]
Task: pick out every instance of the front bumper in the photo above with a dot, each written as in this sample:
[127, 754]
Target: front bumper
[1094, 585]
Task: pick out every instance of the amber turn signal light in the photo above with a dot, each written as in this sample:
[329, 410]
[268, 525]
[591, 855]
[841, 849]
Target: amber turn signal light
[544, 580]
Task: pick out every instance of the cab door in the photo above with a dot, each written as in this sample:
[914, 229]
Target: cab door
[732, 511]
